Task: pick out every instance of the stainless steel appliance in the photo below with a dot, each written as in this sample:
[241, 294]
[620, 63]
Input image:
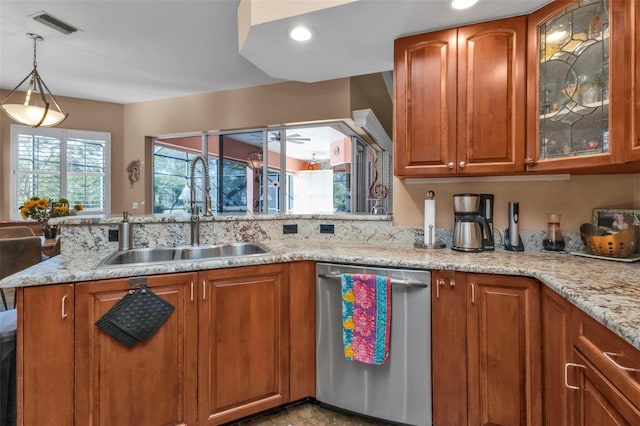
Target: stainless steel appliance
[473, 227]
[512, 241]
[398, 391]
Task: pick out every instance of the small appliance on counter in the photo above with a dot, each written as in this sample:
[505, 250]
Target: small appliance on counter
[512, 241]
[473, 227]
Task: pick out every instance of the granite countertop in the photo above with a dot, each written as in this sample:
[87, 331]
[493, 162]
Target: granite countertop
[608, 291]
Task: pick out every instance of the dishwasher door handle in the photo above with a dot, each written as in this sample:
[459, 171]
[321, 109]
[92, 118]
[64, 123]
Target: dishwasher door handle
[394, 281]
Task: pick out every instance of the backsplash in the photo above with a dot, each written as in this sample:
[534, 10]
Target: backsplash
[82, 233]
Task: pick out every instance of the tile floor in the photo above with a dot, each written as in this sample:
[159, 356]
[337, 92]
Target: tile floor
[308, 414]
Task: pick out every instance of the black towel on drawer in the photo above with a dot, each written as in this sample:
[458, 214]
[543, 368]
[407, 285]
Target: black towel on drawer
[136, 317]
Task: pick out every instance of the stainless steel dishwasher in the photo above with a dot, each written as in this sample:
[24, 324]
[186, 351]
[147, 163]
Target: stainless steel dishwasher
[398, 391]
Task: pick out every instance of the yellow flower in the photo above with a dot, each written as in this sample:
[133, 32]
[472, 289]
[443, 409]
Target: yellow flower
[42, 203]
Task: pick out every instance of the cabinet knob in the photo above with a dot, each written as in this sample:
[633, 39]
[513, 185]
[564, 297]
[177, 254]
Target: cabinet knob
[451, 165]
[462, 164]
[529, 162]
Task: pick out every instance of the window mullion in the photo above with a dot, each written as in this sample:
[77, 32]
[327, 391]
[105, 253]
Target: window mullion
[63, 165]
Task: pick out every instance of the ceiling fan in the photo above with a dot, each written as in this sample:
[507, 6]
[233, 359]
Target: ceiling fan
[294, 138]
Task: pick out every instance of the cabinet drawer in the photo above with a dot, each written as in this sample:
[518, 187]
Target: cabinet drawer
[615, 358]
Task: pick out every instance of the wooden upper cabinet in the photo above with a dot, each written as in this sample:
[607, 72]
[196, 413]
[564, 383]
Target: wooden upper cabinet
[491, 97]
[634, 152]
[425, 104]
[460, 99]
[579, 93]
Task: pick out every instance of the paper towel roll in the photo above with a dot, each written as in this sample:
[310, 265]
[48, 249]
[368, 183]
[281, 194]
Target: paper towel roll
[429, 220]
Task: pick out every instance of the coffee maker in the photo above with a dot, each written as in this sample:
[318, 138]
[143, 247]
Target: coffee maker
[473, 227]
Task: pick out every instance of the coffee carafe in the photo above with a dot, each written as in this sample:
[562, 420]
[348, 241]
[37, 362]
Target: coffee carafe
[473, 227]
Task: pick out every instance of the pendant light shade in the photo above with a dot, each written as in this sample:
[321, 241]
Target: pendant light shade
[39, 107]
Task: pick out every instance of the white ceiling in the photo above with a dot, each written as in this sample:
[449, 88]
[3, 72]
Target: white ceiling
[132, 51]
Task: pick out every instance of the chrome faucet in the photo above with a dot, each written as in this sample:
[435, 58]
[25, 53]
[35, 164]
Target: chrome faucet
[206, 187]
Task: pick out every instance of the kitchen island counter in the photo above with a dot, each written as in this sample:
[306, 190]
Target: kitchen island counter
[608, 291]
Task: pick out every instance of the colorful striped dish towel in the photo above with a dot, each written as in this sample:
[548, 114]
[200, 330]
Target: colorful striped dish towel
[366, 317]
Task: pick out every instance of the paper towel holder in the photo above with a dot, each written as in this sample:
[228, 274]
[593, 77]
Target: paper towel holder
[430, 241]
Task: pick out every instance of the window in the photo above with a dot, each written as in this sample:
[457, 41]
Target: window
[60, 163]
[171, 169]
[313, 168]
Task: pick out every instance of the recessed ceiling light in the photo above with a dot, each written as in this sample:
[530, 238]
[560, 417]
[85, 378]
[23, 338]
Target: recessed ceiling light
[300, 34]
[462, 4]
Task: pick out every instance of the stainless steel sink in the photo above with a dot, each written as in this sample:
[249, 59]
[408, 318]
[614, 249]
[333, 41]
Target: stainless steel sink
[226, 250]
[145, 256]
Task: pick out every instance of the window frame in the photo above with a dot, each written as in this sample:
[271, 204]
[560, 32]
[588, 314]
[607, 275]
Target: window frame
[63, 135]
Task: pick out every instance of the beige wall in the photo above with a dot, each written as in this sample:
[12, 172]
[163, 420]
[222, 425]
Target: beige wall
[574, 199]
[83, 115]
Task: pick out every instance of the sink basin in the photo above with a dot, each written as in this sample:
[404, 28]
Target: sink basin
[226, 250]
[145, 256]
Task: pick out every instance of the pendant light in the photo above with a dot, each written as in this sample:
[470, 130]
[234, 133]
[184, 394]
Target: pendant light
[43, 110]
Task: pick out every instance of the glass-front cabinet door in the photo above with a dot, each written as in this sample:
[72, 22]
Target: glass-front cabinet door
[576, 97]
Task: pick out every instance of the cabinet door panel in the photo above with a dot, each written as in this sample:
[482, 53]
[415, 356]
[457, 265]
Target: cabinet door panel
[504, 350]
[302, 329]
[556, 344]
[425, 104]
[448, 348]
[491, 96]
[151, 383]
[243, 342]
[634, 154]
[566, 130]
[45, 357]
[597, 402]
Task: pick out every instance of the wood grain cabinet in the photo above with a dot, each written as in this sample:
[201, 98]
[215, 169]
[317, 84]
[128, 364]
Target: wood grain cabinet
[460, 100]
[45, 355]
[486, 350]
[243, 361]
[591, 376]
[634, 152]
[604, 376]
[580, 97]
[151, 383]
[556, 353]
[224, 353]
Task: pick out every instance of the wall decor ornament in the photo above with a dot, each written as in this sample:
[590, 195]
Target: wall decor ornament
[133, 172]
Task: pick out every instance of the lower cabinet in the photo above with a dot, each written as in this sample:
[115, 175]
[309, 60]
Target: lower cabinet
[45, 355]
[604, 376]
[224, 353]
[243, 358]
[557, 352]
[151, 383]
[592, 376]
[486, 349]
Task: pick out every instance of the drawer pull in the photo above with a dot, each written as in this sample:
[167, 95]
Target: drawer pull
[566, 374]
[63, 314]
[610, 355]
[439, 283]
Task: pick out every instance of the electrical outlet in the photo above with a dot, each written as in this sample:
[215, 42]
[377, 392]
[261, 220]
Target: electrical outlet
[326, 229]
[114, 235]
[290, 229]
[135, 205]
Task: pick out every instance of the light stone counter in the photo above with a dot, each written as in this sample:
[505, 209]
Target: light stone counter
[609, 291]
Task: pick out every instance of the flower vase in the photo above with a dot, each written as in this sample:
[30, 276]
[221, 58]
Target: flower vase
[50, 232]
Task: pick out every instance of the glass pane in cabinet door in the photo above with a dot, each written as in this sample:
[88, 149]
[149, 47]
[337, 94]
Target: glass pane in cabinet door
[574, 81]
